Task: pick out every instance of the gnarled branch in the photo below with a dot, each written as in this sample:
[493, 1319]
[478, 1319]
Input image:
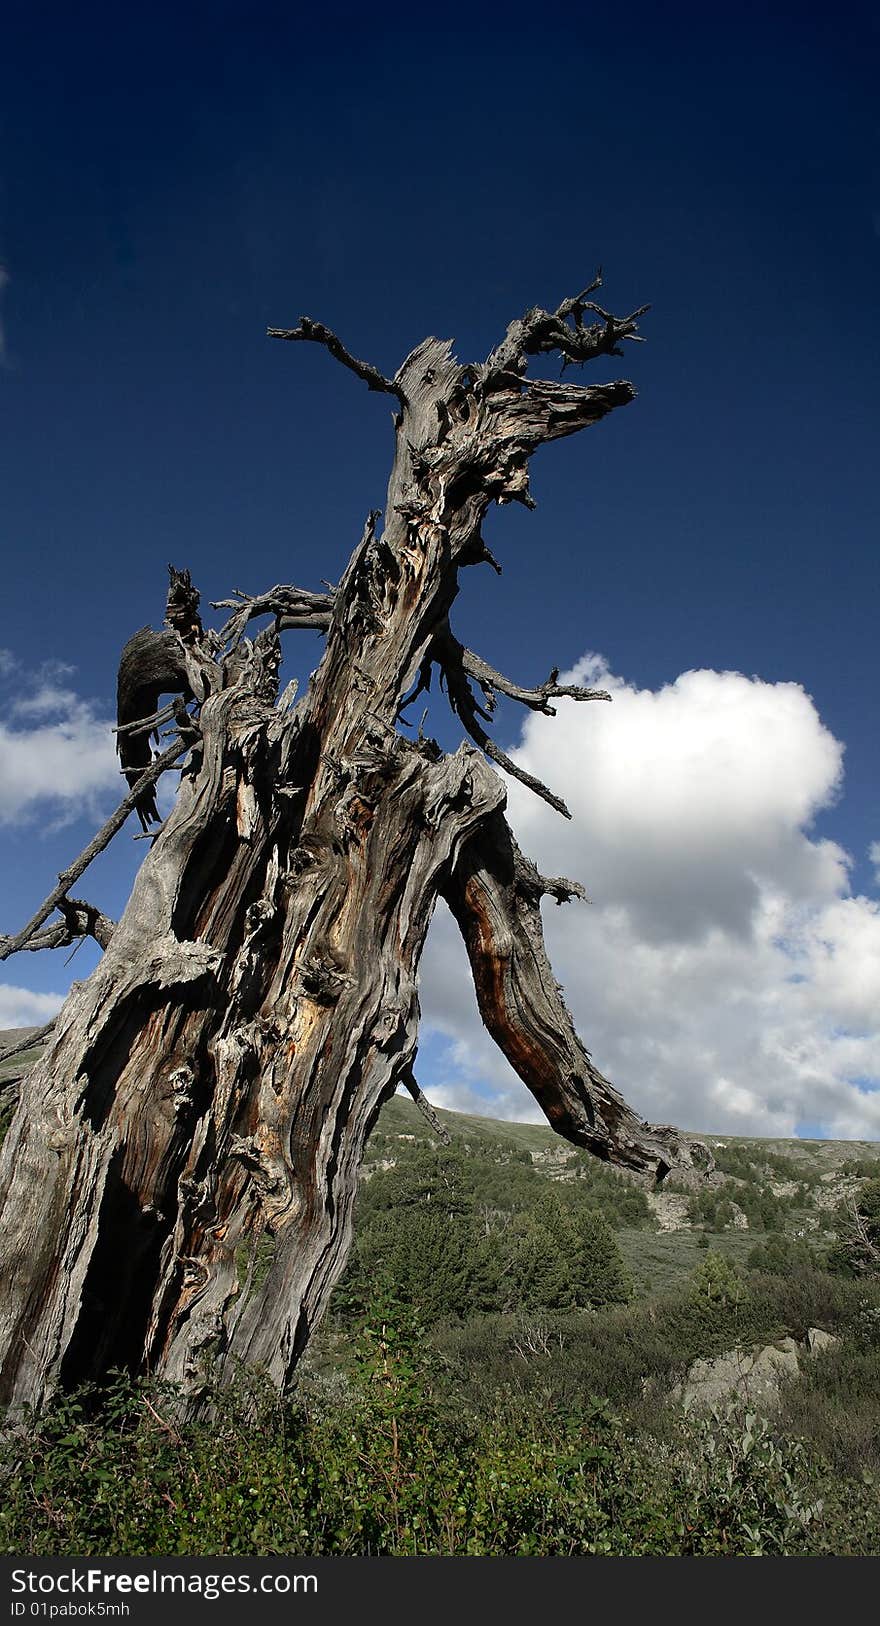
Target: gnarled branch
[148, 725]
[425, 1107]
[531, 883]
[492, 683]
[858, 1237]
[527, 415]
[523, 1009]
[455, 665]
[541, 332]
[317, 333]
[79, 919]
[182, 606]
[30, 1042]
[294, 609]
[151, 664]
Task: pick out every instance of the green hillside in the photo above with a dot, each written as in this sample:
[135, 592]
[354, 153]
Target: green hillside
[815, 1157]
[760, 1187]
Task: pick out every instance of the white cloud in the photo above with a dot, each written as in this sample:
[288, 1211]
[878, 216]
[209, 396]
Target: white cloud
[874, 855]
[687, 802]
[56, 749]
[20, 1008]
[470, 1100]
[723, 976]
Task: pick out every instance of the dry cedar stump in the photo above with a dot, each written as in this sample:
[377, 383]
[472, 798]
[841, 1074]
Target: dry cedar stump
[207, 1094]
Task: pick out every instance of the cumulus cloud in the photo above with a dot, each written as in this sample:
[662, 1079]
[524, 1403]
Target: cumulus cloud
[20, 1008]
[56, 748]
[724, 976]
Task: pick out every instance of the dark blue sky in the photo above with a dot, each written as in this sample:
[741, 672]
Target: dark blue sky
[172, 184]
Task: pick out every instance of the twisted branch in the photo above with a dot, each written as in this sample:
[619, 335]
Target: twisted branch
[492, 683]
[522, 1005]
[294, 609]
[79, 919]
[457, 665]
[541, 332]
[425, 1107]
[317, 333]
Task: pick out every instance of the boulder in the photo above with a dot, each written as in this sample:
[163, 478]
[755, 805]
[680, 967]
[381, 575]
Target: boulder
[752, 1375]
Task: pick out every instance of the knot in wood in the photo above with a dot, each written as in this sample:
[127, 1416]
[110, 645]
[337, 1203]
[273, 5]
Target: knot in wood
[182, 1081]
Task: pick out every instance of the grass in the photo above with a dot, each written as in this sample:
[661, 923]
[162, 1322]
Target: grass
[400, 1116]
[661, 1261]
[17, 1064]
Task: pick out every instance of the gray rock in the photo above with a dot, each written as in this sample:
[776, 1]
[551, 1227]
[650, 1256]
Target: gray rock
[817, 1339]
[752, 1375]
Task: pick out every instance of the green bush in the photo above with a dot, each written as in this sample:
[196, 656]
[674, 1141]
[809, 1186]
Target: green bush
[856, 1252]
[427, 1233]
[781, 1255]
[866, 1168]
[716, 1208]
[378, 1466]
[835, 1401]
[717, 1286]
[557, 1258]
[634, 1354]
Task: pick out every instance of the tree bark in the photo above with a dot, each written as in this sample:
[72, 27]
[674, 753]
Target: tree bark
[178, 1182]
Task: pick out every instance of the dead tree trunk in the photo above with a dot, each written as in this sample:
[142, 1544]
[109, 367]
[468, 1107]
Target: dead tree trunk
[177, 1185]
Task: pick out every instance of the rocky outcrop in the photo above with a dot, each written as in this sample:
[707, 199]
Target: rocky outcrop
[670, 1209]
[752, 1375]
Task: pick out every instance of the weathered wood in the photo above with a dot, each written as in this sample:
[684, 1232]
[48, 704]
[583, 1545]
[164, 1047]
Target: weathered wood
[151, 664]
[178, 1181]
[317, 333]
[412, 1084]
[494, 894]
[78, 920]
